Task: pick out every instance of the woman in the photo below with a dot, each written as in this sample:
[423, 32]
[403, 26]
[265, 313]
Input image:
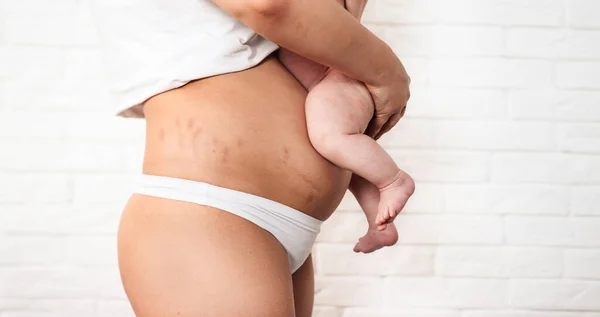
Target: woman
[233, 193]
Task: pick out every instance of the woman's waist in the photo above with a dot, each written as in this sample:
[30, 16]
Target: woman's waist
[244, 131]
[282, 174]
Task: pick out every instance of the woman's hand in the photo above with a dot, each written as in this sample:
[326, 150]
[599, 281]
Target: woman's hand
[324, 32]
[390, 98]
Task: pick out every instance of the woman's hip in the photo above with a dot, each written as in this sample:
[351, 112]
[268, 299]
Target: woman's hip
[183, 258]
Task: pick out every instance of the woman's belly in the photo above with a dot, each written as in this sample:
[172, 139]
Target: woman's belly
[245, 131]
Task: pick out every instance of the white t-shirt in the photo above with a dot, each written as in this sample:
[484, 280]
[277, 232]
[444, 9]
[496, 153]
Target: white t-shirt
[151, 46]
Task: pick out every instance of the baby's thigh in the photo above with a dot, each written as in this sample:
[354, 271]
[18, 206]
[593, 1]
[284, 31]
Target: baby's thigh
[185, 260]
[336, 105]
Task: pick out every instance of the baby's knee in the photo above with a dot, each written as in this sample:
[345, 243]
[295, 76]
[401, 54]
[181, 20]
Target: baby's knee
[328, 143]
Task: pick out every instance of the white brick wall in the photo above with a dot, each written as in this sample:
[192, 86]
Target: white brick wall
[502, 136]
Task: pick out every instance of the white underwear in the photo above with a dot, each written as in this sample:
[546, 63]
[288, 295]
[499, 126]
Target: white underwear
[296, 231]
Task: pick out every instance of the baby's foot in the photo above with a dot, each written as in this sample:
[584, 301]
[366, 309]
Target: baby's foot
[393, 198]
[376, 239]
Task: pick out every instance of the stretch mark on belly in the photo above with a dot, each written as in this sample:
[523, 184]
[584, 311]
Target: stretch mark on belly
[179, 132]
[286, 154]
[240, 142]
[225, 155]
[310, 198]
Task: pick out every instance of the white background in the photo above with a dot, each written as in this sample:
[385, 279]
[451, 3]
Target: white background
[502, 136]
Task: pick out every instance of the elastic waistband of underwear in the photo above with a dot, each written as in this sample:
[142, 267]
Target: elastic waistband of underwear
[205, 190]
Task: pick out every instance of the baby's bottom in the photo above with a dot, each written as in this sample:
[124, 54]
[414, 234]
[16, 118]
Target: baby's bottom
[338, 110]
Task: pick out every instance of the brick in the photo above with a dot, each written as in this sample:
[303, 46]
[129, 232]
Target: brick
[445, 40]
[349, 291]
[23, 250]
[428, 198]
[40, 64]
[39, 188]
[54, 94]
[565, 295]
[531, 168]
[58, 29]
[508, 199]
[506, 12]
[578, 75]
[583, 264]
[447, 293]
[449, 229]
[554, 104]
[491, 73]
[553, 43]
[84, 63]
[467, 198]
[325, 311]
[58, 155]
[553, 231]
[59, 219]
[114, 308]
[585, 201]
[523, 314]
[91, 251]
[398, 260]
[402, 136]
[107, 188]
[529, 199]
[419, 70]
[581, 138]
[498, 262]
[441, 102]
[584, 169]
[67, 282]
[583, 13]
[400, 11]
[444, 166]
[474, 135]
[536, 42]
[373, 312]
[31, 307]
[39, 7]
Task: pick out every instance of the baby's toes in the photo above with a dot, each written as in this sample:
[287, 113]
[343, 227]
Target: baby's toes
[383, 217]
[392, 213]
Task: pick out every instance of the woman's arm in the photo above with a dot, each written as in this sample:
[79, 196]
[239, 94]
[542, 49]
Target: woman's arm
[320, 30]
[325, 32]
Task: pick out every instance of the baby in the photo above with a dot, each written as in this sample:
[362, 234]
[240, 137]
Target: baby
[338, 110]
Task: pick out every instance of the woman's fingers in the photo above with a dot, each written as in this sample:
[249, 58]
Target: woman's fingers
[376, 124]
[390, 123]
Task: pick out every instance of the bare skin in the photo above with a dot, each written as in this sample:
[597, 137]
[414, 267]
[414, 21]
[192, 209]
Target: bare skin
[182, 259]
[338, 110]
[245, 131]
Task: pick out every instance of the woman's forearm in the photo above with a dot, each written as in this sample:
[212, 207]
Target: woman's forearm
[320, 30]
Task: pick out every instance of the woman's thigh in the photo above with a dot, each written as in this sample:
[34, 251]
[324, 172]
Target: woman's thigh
[181, 259]
[304, 289]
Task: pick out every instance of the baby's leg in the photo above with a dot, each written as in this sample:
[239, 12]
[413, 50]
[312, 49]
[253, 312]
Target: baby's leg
[367, 196]
[338, 111]
[307, 72]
